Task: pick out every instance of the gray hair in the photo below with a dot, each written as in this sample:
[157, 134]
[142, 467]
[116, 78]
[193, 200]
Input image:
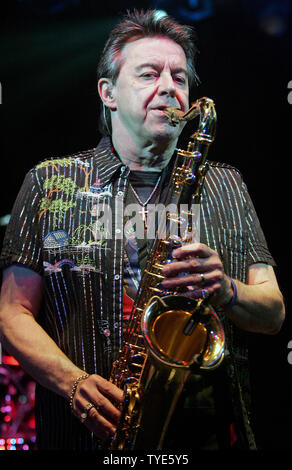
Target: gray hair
[136, 25]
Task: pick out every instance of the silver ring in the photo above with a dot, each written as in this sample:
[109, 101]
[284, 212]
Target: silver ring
[202, 278]
[84, 415]
[204, 293]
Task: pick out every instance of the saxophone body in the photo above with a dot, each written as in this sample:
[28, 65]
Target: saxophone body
[169, 335]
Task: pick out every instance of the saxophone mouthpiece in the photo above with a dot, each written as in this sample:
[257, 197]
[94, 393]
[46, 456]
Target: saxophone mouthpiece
[176, 115]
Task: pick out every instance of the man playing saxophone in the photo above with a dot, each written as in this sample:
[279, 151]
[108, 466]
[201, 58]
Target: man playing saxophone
[66, 286]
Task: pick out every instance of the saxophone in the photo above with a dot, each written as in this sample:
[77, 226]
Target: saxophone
[169, 334]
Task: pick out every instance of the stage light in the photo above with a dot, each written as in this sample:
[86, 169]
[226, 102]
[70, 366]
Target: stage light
[160, 14]
[14, 443]
[4, 220]
[191, 11]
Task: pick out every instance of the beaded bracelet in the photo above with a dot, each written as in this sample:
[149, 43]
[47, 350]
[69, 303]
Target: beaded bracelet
[81, 377]
[234, 296]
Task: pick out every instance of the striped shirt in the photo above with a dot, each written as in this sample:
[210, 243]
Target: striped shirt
[67, 224]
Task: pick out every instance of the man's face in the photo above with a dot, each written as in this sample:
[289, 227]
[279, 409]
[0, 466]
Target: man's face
[152, 77]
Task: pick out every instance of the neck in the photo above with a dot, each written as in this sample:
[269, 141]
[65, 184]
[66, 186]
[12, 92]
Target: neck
[147, 156]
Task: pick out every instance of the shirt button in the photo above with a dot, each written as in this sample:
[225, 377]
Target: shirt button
[118, 230]
[117, 277]
[120, 193]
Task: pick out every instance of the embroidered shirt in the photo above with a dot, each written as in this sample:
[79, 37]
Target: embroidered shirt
[67, 224]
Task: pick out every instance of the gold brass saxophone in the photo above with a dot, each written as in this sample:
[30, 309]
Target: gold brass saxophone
[169, 334]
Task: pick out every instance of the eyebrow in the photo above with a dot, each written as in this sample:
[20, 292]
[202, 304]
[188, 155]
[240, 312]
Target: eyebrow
[157, 65]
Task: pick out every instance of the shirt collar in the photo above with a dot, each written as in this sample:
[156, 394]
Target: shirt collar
[107, 160]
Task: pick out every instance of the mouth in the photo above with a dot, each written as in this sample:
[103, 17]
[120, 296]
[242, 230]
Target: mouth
[164, 113]
[162, 106]
[159, 108]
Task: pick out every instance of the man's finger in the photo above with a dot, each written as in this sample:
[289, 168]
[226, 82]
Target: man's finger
[99, 425]
[189, 266]
[109, 390]
[187, 280]
[192, 249]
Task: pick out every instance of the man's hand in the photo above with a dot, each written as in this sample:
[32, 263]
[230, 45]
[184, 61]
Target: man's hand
[202, 269]
[103, 417]
[259, 305]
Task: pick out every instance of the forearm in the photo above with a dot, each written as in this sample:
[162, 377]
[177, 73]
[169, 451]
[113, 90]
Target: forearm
[37, 353]
[259, 308]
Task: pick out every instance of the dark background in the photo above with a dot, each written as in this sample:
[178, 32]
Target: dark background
[49, 52]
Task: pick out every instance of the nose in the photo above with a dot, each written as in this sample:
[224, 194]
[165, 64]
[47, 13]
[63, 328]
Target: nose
[166, 84]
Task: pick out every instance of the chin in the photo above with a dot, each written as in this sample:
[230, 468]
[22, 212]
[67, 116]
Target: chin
[166, 132]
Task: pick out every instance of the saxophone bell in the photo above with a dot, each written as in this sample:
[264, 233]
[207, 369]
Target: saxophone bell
[183, 332]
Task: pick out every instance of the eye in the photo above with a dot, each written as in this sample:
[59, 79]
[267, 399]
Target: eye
[180, 79]
[149, 75]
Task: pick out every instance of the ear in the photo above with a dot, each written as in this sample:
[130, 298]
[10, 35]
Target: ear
[105, 90]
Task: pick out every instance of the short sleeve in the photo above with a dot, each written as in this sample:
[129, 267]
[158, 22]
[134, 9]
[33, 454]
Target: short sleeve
[258, 248]
[22, 240]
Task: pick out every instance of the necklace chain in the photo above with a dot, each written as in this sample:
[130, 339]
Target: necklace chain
[143, 204]
[143, 211]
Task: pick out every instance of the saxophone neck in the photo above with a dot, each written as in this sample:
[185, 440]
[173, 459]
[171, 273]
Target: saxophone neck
[203, 107]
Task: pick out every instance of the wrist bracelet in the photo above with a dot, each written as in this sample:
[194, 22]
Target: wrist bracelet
[81, 377]
[234, 296]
